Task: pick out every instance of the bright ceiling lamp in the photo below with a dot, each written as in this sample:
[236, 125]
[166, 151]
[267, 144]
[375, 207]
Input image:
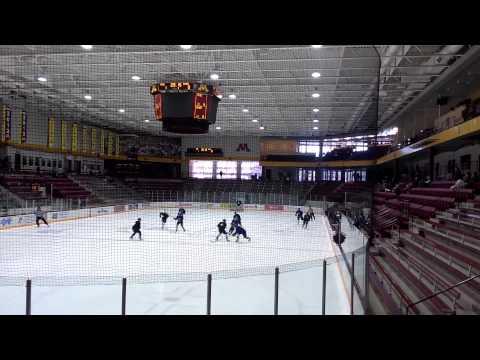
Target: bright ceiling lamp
[261, 128]
[214, 76]
[186, 47]
[245, 110]
[42, 79]
[136, 77]
[218, 128]
[316, 110]
[317, 46]
[232, 96]
[147, 121]
[121, 111]
[87, 47]
[316, 74]
[315, 128]
[88, 97]
[315, 120]
[315, 95]
[254, 120]
[220, 96]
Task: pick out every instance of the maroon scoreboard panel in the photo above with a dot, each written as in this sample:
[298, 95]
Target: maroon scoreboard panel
[185, 107]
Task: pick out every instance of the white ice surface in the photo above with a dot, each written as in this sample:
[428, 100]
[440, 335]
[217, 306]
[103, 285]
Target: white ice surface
[100, 247]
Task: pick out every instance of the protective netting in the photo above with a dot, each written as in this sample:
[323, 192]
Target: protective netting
[82, 151]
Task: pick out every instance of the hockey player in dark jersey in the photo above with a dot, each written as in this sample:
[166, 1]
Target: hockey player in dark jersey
[306, 219]
[164, 217]
[236, 218]
[222, 225]
[181, 211]
[179, 219]
[299, 215]
[310, 213]
[239, 230]
[40, 215]
[136, 229]
[233, 224]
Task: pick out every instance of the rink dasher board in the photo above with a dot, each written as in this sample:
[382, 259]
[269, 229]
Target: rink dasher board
[10, 222]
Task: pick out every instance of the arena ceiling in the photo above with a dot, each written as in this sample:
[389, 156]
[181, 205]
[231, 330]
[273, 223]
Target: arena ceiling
[272, 84]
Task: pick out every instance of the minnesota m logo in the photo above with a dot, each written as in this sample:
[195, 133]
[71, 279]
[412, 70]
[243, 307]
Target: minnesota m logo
[243, 147]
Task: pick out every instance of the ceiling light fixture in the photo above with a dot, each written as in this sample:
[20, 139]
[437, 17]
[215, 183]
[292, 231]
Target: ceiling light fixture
[317, 46]
[315, 128]
[245, 110]
[261, 128]
[121, 111]
[88, 97]
[315, 95]
[220, 96]
[87, 47]
[218, 128]
[316, 110]
[214, 76]
[136, 77]
[316, 75]
[255, 120]
[232, 96]
[147, 121]
[315, 121]
[42, 79]
[186, 47]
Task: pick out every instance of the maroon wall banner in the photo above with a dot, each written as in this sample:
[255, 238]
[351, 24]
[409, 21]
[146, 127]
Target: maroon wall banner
[7, 124]
[200, 108]
[158, 105]
[23, 127]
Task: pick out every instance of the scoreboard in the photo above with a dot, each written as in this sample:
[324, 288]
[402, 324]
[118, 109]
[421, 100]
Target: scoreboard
[205, 151]
[185, 107]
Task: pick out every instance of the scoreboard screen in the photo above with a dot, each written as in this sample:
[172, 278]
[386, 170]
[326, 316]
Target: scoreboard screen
[204, 151]
[184, 107]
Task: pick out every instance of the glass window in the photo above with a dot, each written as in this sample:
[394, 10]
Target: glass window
[43, 162]
[59, 163]
[30, 161]
[54, 164]
[250, 168]
[228, 169]
[201, 169]
[49, 163]
[24, 160]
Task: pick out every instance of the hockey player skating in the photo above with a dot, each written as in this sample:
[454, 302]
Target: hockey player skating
[236, 218]
[222, 225]
[164, 217]
[239, 230]
[136, 229]
[233, 224]
[299, 215]
[310, 213]
[306, 219]
[179, 219]
[40, 215]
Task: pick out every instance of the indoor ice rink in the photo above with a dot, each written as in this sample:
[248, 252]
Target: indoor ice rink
[99, 250]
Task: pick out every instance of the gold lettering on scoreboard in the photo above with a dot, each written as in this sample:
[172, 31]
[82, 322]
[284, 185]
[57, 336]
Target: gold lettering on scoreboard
[200, 110]
[51, 132]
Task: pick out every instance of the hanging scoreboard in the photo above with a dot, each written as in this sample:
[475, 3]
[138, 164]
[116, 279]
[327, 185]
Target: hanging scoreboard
[184, 107]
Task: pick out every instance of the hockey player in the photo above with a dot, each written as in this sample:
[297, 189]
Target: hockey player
[179, 219]
[306, 219]
[310, 213]
[136, 229]
[221, 229]
[40, 216]
[164, 217]
[299, 215]
[239, 230]
[181, 211]
[236, 218]
[233, 225]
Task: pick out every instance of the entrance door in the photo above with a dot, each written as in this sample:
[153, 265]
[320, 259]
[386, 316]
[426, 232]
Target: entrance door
[78, 167]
